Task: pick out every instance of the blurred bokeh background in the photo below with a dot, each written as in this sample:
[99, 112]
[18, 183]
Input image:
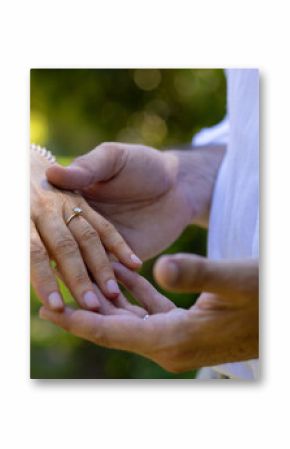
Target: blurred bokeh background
[72, 111]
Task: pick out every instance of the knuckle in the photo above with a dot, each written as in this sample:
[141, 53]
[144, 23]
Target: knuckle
[199, 265]
[43, 210]
[37, 253]
[104, 272]
[134, 283]
[107, 229]
[115, 152]
[65, 246]
[80, 277]
[141, 284]
[191, 271]
[117, 244]
[47, 203]
[88, 235]
[43, 279]
[82, 160]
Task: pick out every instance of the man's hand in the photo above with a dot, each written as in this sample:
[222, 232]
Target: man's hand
[150, 196]
[221, 327]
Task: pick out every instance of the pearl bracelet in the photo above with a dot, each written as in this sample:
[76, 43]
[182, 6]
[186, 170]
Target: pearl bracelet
[43, 152]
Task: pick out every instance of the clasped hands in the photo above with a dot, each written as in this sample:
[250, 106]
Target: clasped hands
[114, 179]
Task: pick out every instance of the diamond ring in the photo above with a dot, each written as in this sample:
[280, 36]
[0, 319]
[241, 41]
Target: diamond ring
[146, 317]
[76, 211]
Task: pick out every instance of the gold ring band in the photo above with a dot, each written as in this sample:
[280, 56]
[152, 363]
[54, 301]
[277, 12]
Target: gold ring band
[76, 211]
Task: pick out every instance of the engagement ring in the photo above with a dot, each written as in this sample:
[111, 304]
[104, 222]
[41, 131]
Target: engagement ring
[76, 211]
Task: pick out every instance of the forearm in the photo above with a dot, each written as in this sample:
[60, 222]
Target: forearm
[196, 173]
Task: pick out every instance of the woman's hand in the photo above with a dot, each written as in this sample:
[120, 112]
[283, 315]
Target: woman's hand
[221, 327]
[77, 247]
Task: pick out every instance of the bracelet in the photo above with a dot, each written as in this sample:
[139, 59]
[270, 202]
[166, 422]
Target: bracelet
[43, 152]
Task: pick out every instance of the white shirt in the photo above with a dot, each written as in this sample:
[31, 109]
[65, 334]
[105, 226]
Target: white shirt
[234, 218]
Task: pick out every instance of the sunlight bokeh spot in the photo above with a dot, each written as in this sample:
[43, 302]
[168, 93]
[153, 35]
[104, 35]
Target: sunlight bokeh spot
[147, 79]
[38, 128]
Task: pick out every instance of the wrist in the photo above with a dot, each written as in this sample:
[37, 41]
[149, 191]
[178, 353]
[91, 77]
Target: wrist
[40, 188]
[40, 160]
[196, 173]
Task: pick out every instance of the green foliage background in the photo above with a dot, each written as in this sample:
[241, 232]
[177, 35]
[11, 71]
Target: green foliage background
[72, 111]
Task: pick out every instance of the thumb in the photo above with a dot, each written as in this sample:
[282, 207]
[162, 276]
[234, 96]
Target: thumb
[72, 177]
[192, 273]
[99, 165]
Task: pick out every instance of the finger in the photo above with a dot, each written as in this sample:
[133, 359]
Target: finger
[108, 307]
[112, 240]
[191, 273]
[65, 251]
[142, 290]
[42, 277]
[120, 306]
[94, 255]
[120, 332]
[100, 164]
[123, 304]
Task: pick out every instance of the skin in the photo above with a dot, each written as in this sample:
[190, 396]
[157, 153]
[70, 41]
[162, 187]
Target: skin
[150, 197]
[80, 246]
[222, 326]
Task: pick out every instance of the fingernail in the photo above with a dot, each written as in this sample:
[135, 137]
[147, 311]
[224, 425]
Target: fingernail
[171, 272]
[55, 301]
[136, 259]
[113, 287]
[91, 300]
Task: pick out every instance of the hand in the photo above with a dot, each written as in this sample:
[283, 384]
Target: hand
[74, 247]
[221, 327]
[150, 196]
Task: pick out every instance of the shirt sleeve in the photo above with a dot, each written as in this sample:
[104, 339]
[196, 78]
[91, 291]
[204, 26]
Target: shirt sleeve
[217, 134]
